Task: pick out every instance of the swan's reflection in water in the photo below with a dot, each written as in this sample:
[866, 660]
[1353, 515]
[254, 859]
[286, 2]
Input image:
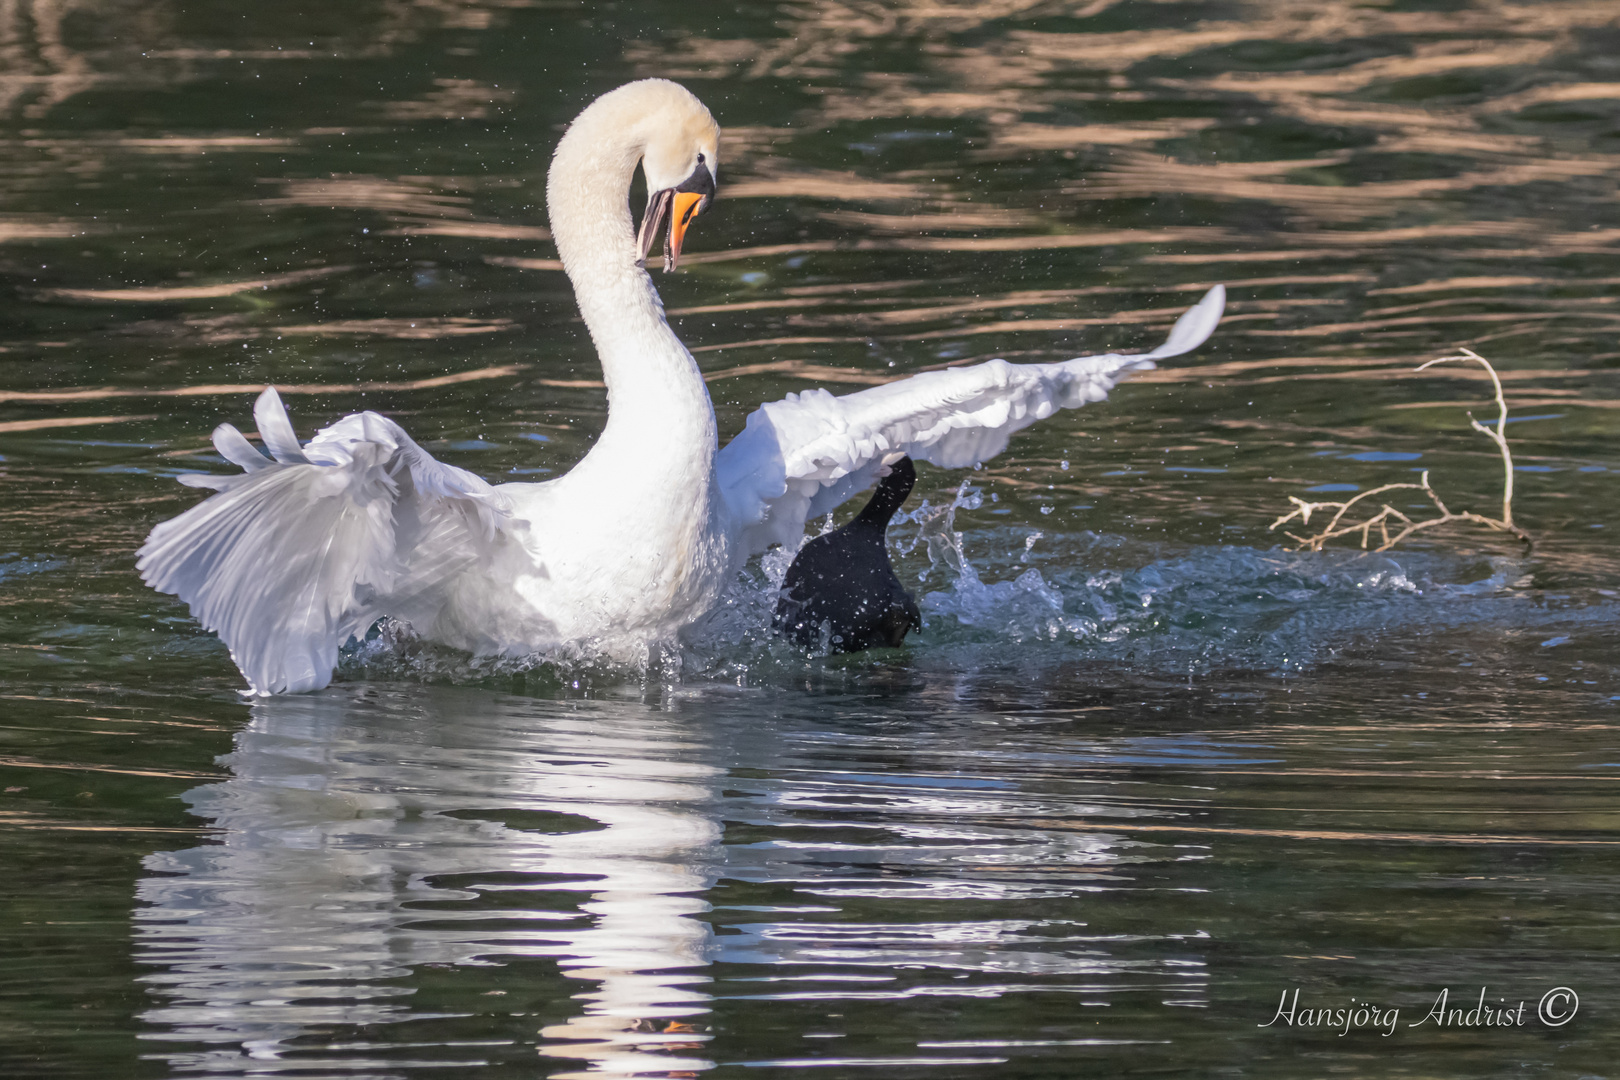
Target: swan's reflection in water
[364, 836]
[386, 860]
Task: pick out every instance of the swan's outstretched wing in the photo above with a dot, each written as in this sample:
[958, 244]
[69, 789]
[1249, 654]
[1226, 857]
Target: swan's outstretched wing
[802, 456]
[294, 556]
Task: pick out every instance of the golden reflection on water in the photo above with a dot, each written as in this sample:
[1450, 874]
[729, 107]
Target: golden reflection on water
[501, 372]
[1488, 171]
[1142, 143]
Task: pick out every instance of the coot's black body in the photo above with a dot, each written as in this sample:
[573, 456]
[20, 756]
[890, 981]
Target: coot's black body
[844, 579]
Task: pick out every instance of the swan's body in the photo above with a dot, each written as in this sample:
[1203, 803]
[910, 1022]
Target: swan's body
[294, 556]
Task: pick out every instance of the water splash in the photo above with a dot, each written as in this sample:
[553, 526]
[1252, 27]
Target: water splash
[1179, 612]
[394, 650]
[936, 528]
[1029, 545]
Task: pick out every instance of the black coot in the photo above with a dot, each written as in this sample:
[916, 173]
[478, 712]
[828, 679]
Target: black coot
[844, 580]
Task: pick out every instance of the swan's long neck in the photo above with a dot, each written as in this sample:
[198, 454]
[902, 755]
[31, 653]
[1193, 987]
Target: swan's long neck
[660, 420]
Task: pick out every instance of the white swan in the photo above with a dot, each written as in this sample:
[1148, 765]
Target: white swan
[296, 555]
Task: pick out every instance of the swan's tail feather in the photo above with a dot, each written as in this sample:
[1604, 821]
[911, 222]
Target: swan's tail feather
[295, 556]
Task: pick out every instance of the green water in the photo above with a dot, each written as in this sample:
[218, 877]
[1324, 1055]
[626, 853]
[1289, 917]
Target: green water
[1138, 780]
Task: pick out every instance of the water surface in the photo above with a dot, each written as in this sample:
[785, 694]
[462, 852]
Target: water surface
[1145, 772]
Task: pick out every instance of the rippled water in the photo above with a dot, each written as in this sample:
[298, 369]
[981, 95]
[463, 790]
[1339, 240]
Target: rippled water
[1145, 771]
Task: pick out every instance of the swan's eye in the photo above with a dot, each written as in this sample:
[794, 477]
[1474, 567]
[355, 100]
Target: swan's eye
[700, 159]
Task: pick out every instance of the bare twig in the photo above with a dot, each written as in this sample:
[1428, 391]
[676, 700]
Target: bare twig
[1499, 436]
[1407, 526]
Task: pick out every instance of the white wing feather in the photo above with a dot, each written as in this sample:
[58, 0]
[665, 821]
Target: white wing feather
[294, 556]
[800, 457]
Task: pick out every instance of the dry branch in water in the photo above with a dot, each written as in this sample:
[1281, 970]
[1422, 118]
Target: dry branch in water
[1405, 526]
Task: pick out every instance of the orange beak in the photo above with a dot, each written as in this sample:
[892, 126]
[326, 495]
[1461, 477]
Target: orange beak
[688, 204]
[680, 204]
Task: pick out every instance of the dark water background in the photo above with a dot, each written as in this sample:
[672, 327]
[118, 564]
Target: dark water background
[1138, 778]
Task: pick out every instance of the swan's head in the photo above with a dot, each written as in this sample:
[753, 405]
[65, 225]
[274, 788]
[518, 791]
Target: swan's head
[681, 161]
[661, 126]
